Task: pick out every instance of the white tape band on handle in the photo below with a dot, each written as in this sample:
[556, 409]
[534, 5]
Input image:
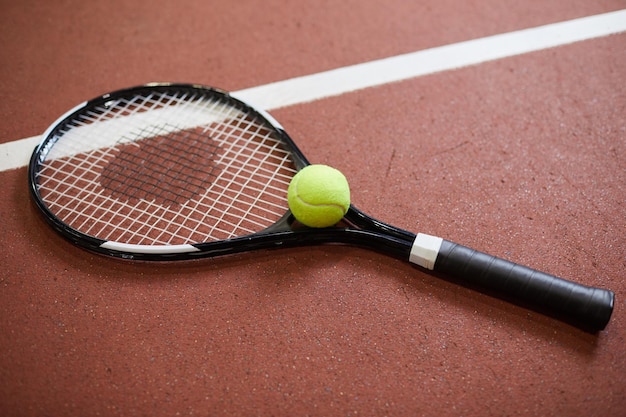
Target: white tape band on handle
[425, 250]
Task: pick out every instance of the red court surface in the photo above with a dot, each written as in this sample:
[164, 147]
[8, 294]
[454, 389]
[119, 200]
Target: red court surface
[523, 157]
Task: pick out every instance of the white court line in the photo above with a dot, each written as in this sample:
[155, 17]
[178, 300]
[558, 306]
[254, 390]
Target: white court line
[297, 90]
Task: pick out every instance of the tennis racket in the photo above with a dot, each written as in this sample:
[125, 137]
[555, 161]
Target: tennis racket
[177, 171]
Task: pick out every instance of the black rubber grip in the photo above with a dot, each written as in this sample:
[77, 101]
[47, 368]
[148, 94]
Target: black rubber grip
[587, 307]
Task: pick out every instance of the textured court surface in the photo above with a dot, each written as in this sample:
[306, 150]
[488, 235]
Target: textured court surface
[522, 157]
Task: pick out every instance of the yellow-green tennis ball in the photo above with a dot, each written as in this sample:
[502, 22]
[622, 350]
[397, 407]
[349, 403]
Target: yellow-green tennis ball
[319, 196]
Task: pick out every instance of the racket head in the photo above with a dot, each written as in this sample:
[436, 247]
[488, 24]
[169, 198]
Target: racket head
[165, 171]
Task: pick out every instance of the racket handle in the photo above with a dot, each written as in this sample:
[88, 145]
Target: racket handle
[587, 307]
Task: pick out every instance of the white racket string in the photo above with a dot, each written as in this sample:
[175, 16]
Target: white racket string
[164, 169]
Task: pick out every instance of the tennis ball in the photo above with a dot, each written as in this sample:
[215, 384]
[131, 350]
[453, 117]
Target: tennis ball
[318, 196]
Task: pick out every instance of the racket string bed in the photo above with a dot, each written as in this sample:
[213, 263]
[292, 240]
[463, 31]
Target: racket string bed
[151, 181]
